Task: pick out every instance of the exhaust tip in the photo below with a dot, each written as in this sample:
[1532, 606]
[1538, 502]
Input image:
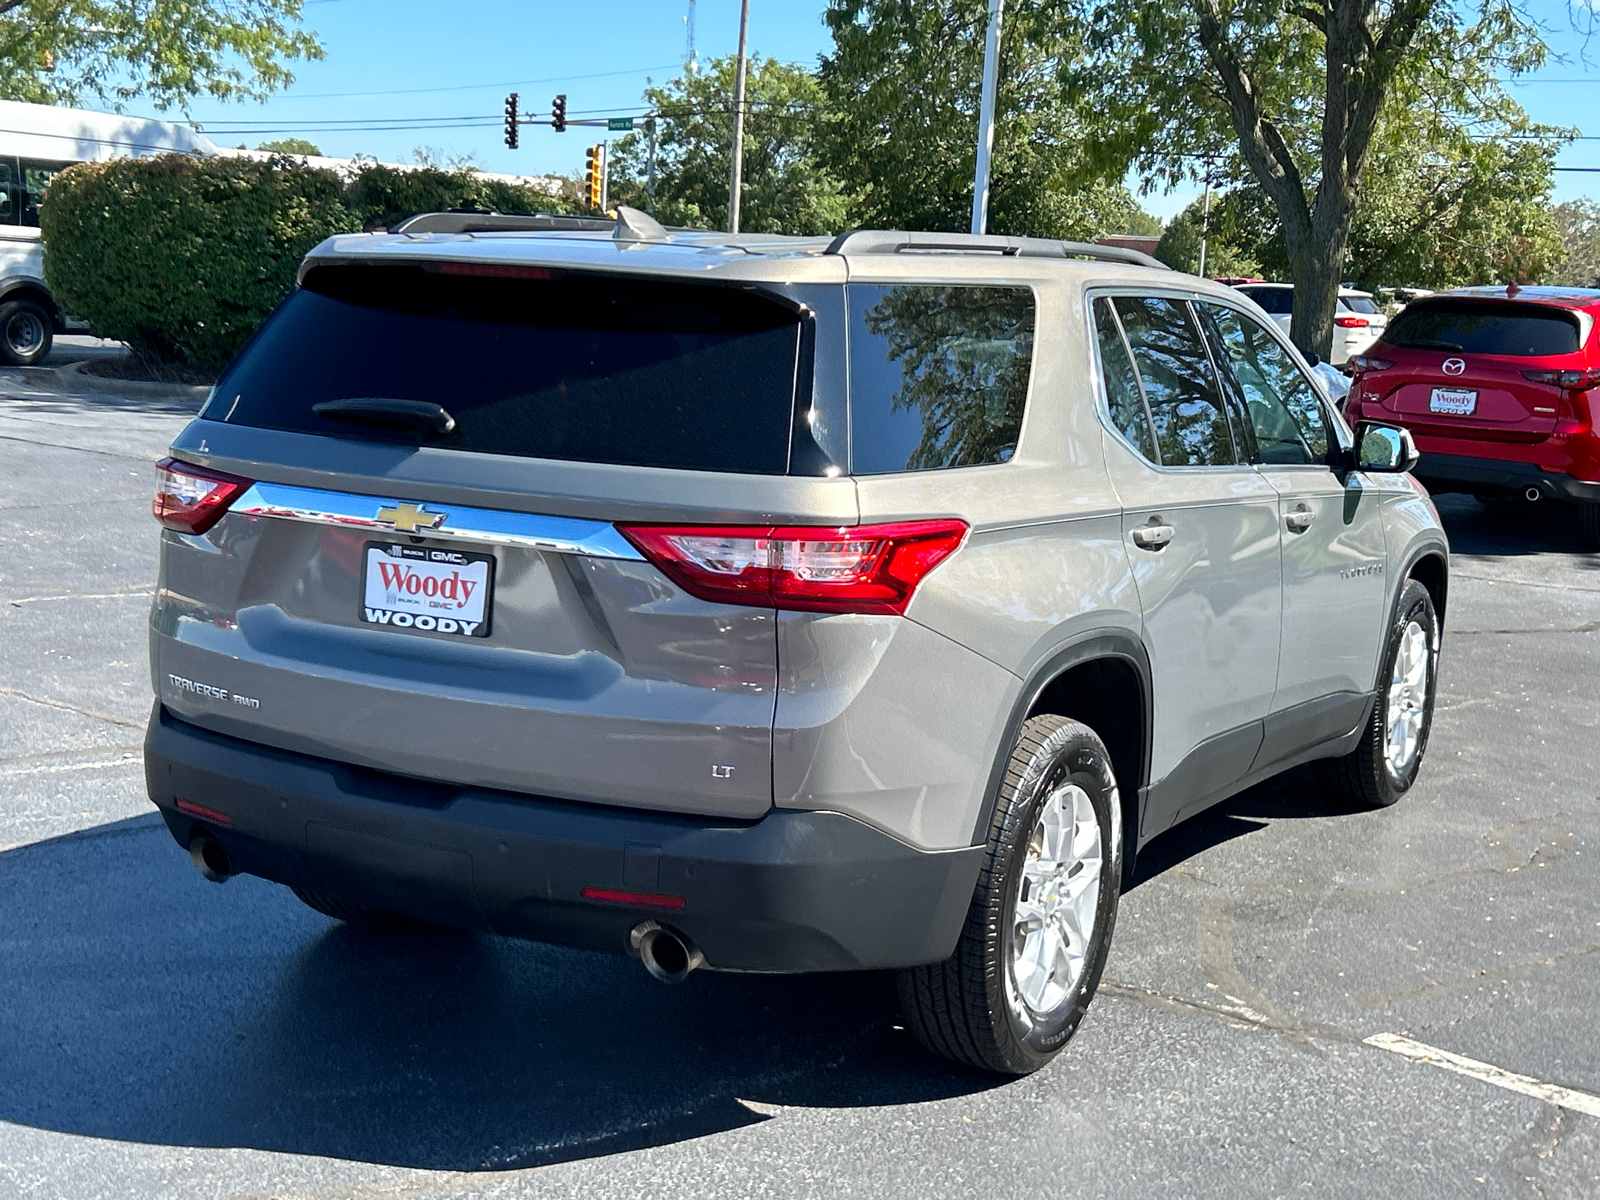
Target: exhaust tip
[667, 955]
[1533, 494]
[210, 858]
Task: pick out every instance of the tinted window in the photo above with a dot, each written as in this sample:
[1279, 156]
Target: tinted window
[36, 177]
[1358, 304]
[938, 375]
[583, 367]
[1123, 397]
[1484, 327]
[1190, 421]
[1278, 301]
[1285, 414]
[8, 191]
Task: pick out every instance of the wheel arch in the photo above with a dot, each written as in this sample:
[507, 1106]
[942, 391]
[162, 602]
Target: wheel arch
[1430, 567]
[1102, 679]
[35, 290]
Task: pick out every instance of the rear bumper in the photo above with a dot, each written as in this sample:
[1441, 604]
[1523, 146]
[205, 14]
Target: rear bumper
[793, 891]
[1494, 476]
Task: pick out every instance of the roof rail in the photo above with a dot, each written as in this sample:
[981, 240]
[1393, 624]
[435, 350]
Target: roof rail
[462, 220]
[889, 241]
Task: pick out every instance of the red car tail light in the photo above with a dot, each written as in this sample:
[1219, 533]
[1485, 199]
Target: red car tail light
[192, 499]
[855, 569]
[1365, 362]
[1571, 381]
[1351, 322]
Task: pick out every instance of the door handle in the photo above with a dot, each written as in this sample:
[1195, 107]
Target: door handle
[1153, 537]
[1299, 520]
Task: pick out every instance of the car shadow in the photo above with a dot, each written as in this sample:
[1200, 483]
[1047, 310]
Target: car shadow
[140, 1003]
[1294, 795]
[1508, 528]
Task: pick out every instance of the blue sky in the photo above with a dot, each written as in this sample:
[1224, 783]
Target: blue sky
[381, 52]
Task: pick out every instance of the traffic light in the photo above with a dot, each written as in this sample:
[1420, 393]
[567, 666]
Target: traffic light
[558, 114]
[511, 121]
[594, 173]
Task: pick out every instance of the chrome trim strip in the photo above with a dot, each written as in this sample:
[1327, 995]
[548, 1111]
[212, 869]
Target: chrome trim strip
[532, 531]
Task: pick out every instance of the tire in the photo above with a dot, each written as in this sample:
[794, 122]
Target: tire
[26, 333]
[1589, 523]
[1369, 776]
[976, 1008]
[353, 914]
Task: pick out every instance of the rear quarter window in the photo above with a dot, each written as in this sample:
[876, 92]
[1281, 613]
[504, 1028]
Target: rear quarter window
[1485, 327]
[583, 367]
[938, 374]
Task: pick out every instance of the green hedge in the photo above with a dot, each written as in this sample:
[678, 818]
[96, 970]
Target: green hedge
[182, 257]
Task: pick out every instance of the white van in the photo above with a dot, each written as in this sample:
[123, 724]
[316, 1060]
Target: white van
[37, 141]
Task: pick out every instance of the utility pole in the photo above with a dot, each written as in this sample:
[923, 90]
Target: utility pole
[1205, 221]
[650, 169]
[991, 73]
[736, 172]
[605, 174]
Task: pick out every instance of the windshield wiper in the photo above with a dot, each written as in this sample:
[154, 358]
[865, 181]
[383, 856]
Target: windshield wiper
[391, 413]
[1427, 344]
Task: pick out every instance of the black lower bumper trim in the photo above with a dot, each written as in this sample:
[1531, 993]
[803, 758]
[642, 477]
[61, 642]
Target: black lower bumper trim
[794, 891]
[1497, 477]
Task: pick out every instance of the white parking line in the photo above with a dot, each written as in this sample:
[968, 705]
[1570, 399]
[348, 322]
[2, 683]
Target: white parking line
[130, 760]
[1473, 1069]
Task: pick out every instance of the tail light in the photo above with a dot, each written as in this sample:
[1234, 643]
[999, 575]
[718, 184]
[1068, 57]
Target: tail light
[192, 499]
[1365, 362]
[856, 569]
[1351, 322]
[1571, 381]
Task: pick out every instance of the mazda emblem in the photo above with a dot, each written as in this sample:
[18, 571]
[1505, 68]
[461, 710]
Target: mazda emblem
[1454, 366]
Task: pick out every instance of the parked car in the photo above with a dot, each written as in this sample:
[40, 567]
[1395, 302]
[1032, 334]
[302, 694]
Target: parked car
[1501, 388]
[771, 604]
[1357, 322]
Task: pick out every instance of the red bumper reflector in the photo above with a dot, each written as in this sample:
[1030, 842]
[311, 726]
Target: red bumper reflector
[214, 815]
[637, 899]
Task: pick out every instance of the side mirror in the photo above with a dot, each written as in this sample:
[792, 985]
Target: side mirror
[1385, 448]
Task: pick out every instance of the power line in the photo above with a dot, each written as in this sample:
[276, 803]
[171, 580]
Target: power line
[473, 87]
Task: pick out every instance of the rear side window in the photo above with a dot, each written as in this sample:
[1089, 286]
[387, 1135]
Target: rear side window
[1277, 301]
[1360, 304]
[1191, 423]
[938, 375]
[1485, 327]
[1124, 397]
[582, 367]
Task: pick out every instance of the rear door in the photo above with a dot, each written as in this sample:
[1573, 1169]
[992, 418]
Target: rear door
[448, 596]
[1332, 534]
[1201, 527]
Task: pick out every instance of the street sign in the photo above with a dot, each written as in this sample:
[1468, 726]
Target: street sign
[619, 124]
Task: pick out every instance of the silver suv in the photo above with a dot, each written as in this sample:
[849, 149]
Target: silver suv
[769, 604]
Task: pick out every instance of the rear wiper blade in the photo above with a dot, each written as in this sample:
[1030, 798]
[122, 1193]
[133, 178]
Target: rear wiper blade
[394, 413]
[1428, 344]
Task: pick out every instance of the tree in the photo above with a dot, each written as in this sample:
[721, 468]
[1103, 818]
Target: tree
[902, 86]
[1230, 250]
[70, 51]
[1292, 91]
[786, 188]
[1578, 222]
[291, 146]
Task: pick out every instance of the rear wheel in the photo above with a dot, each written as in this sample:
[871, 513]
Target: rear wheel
[1384, 765]
[26, 333]
[1039, 927]
[1589, 523]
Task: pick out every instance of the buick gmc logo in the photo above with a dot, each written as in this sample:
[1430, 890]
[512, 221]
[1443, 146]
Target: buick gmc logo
[1454, 366]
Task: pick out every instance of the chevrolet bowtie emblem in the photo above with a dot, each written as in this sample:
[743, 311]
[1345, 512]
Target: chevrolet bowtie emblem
[408, 518]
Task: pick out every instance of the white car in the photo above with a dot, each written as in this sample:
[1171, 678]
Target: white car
[1357, 322]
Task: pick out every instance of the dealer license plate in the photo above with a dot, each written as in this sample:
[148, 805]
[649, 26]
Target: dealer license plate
[1457, 402]
[426, 588]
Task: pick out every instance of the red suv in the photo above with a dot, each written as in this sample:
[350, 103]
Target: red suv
[1500, 387]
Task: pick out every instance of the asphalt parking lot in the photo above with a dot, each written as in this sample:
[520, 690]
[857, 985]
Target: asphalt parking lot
[165, 1037]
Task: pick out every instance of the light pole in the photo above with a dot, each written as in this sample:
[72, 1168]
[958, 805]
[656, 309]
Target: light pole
[736, 173]
[991, 71]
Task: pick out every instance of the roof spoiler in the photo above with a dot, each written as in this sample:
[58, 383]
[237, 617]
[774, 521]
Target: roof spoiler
[466, 220]
[888, 241]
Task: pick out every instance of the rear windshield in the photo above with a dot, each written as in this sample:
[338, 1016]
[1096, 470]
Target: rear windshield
[1485, 327]
[581, 367]
[938, 375]
[1278, 301]
[1360, 304]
